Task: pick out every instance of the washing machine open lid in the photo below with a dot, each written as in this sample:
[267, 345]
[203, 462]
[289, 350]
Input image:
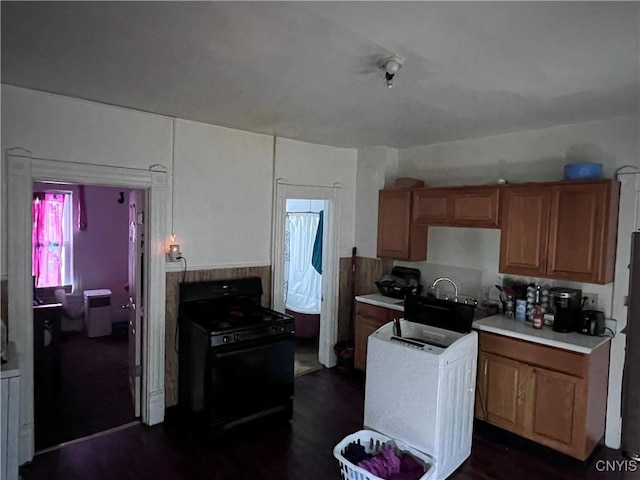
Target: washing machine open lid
[417, 335]
[434, 312]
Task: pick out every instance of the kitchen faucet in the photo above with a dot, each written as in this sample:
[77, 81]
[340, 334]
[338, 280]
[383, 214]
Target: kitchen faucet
[447, 279]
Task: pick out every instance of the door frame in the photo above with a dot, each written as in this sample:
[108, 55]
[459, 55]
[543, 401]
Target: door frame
[23, 169]
[330, 267]
[135, 305]
[628, 222]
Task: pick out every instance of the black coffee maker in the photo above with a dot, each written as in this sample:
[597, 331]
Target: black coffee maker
[567, 306]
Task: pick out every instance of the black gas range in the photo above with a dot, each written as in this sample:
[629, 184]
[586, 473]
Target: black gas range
[231, 311]
[236, 357]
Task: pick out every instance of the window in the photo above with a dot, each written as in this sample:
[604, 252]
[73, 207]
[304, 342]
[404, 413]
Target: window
[51, 239]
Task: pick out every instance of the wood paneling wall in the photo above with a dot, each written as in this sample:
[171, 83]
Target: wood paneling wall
[368, 271]
[173, 282]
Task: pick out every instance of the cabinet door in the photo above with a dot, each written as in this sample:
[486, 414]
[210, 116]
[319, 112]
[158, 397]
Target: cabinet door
[456, 206]
[555, 411]
[481, 387]
[398, 238]
[524, 221]
[474, 207]
[580, 246]
[431, 206]
[502, 392]
[368, 319]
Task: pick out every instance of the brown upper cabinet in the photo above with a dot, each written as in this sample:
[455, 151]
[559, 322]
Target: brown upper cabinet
[562, 230]
[469, 206]
[398, 237]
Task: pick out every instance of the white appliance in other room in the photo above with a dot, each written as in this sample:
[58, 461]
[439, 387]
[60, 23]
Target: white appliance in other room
[97, 312]
[420, 384]
[72, 310]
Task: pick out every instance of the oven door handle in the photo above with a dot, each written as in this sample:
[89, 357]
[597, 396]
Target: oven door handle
[227, 352]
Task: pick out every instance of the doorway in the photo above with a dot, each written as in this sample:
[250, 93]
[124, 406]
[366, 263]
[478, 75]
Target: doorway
[81, 363]
[328, 198]
[303, 278]
[23, 169]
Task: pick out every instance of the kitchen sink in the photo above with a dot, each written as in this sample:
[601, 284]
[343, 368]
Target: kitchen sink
[479, 313]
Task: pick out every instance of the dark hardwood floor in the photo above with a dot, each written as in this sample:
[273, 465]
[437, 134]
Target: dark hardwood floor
[328, 406]
[306, 357]
[93, 394]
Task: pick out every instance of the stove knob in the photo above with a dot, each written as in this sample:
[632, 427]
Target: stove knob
[236, 337]
[225, 339]
[274, 329]
[282, 328]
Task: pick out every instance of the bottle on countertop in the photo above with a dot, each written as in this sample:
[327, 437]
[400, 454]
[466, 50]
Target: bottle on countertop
[538, 317]
[531, 297]
[544, 300]
[509, 306]
[521, 309]
[538, 314]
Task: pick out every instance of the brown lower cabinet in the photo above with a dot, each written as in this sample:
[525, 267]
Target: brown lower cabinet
[552, 396]
[368, 319]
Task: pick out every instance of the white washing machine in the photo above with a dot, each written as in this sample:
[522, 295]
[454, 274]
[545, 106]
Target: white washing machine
[420, 385]
[97, 312]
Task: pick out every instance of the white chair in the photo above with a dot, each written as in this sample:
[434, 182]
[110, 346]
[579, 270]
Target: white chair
[72, 316]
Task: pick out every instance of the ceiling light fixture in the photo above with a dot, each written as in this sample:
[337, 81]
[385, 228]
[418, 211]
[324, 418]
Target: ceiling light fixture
[390, 65]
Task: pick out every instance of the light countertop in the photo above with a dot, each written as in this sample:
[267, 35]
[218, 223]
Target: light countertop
[523, 330]
[382, 301]
[498, 324]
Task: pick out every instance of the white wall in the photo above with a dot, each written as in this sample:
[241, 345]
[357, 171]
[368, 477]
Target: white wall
[223, 185]
[534, 155]
[302, 163]
[314, 206]
[222, 202]
[61, 128]
[377, 168]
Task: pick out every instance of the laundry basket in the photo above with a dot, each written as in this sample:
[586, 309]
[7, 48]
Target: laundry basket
[373, 442]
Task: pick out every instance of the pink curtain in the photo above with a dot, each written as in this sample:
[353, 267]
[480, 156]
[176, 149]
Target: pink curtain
[47, 238]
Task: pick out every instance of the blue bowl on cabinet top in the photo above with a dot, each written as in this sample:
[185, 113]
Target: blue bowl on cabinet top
[583, 171]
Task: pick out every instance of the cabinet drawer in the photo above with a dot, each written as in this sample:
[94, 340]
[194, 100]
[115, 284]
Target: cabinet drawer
[538, 355]
[431, 206]
[475, 207]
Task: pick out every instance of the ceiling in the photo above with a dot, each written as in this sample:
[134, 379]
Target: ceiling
[307, 70]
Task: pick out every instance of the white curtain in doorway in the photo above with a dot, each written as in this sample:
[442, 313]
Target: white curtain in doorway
[303, 284]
